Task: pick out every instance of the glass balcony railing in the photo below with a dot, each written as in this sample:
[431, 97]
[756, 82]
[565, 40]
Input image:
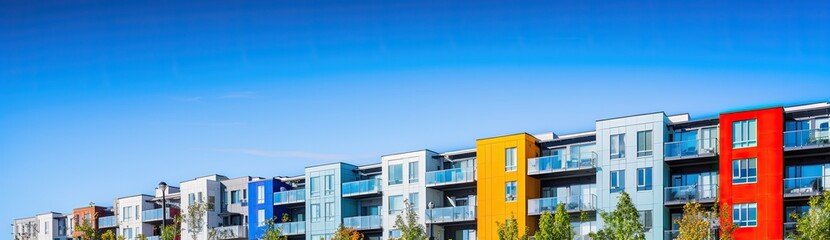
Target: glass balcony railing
[789, 229]
[107, 222]
[576, 203]
[803, 186]
[290, 196]
[153, 237]
[805, 138]
[363, 222]
[231, 232]
[698, 193]
[291, 228]
[451, 214]
[675, 234]
[691, 148]
[369, 186]
[155, 215]
[563, 162]
[450, 176]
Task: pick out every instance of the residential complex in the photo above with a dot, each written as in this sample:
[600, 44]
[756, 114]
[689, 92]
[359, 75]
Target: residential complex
[765, 163]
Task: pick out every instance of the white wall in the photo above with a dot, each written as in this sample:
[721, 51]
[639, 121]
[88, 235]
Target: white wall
[133, 221]
[209, 186]
[425, 161]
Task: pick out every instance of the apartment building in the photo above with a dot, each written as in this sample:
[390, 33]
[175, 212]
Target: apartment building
[765, 163]
[87, 215]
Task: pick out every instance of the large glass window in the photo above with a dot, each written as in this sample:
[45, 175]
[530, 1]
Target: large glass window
[315, 212]
[395, 174]
[745, 214]
[644, 143]
[644, 179]
[260, 217]
[510, 191]
[314, 185]
[329, 211]
[329, 182]
[744, 171]
[646, 219]
[510, 159]
[617, 147]
[617, 180]
[260, 194]
[413, 172]
[744, 133]
[396, 204]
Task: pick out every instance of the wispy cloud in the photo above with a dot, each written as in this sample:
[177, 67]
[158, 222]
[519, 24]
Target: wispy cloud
[293, 154]
[239, 95]
[187, 99]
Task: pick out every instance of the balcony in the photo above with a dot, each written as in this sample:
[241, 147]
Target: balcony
[675, 234]
[153, 237]
[107, 222]
[682, 194]
[363, 222]
[806, 139]
[289, 197]
[368, 187]
[451, 214]
[155, 215]
[448, 177]
[291, 228]
[563, 165]
[231, 232]
[691, 149]
[576, 203]
[789, 229]
[803, 186]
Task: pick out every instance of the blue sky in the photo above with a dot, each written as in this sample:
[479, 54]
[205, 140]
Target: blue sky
[101, 99]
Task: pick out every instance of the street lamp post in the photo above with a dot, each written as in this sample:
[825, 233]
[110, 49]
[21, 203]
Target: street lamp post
[163, 188]
[430, 206]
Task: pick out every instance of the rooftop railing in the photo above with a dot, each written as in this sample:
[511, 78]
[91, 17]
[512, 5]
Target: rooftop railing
[698, 193]
[450, 176]
[368, 186]
[562, 162]
[690, 148]
[290, 196]
[575, 203]
[805, 138]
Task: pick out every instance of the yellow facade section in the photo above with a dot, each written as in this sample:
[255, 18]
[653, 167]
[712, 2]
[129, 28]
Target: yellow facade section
[493, 205]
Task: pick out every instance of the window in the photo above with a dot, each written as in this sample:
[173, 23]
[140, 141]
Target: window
[128, 213]
[315, 186]
[413, 201]
[744, 134]
[329, 181]
[617, 180]
[395, 233]
[46, 227]
[137, 213]
[211, 202]
[744, 171]
[235, 197]
[413, 172]
[510, 159]
[645, 219]
[260, 194]
[396, 204]
[315, 212]
[395, 174]
[200, 199]
[260, 217]
[745, 214]
[329, 211]
[644, 143]
[191, 198]
[510, 191]
[617, 146]
[644, 179]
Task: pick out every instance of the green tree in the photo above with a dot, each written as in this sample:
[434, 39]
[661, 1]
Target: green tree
[509, 230]
[725, 225]
[555, 226]
[408, 224]
[815, 223]
[621, 224]
[172, 231]
[194, 218]
[272, 232]
[86, 229]
[344, 233]
[695, 224]
[140, 237]
[108, 235]
[545, 231]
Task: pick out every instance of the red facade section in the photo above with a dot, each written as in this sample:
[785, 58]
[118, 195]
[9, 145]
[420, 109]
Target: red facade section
[767, 192]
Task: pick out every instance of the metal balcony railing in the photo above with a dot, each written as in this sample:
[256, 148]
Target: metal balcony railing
[562, 162]
[450, 176]
[698, 193]
[805, 138]
[290, 196]
[690, 148]
[575, 203]
[363, 222]
[369, 186]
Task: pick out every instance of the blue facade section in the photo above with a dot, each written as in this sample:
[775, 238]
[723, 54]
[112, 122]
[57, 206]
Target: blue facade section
[254, 205]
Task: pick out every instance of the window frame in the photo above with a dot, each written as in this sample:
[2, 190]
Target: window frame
[260, 194]
[741, 167]
[394, 200]
[313, 186]
[413, 172]
[648, 146]
[744, 133]
[617, 176]
[328, 184]
[510, 187]
[395, 174]
[646, 176]
[315, 212]
[741, 213]
[620, 146]
[511, 159]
